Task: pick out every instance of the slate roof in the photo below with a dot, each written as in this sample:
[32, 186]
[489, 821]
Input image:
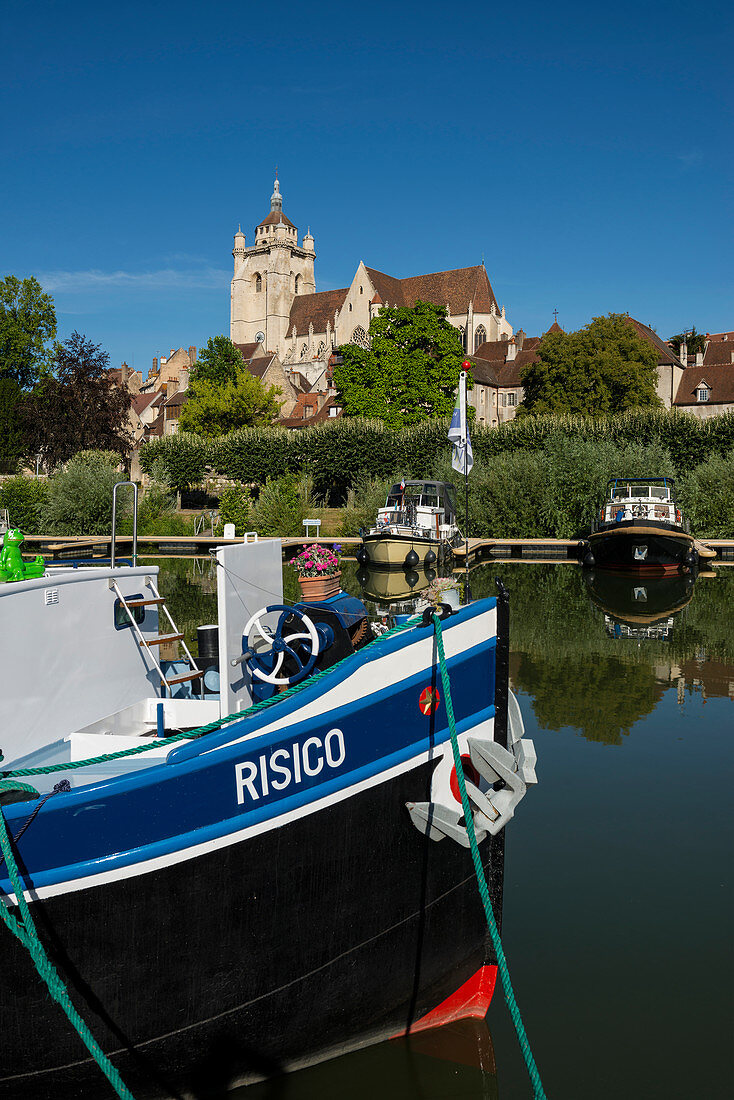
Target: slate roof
[719, 377]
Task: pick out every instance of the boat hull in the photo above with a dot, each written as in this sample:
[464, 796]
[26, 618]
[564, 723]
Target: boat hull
[390, 551]
[215, 972]
[262, 899]
[642, 546]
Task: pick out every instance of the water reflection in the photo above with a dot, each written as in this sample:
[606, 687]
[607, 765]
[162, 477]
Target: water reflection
[638, 607]
[395, 591]
[448, 1062]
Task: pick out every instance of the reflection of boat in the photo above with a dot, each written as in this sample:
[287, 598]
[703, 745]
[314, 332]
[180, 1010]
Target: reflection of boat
[417, 523]
[393, 585]
[639, 606]
[641, 529]
[257, 889]
[452, 1062]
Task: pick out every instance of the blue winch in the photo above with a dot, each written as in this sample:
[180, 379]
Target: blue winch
[306, 638]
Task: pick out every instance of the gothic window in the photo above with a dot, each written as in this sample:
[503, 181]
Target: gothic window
[258, 281]
[462, 334]
[360, 338]
[360, 290]
[322, 349]
[304, 351]
[479, 336]
[298, 284]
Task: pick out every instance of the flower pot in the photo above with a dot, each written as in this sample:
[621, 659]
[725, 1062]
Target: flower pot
[319, 588]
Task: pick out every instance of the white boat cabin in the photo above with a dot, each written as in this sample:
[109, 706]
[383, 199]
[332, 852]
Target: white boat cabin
[640, 498]
[426, 507]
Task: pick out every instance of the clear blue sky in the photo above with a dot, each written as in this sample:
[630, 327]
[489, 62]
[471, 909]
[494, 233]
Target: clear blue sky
[584, 150]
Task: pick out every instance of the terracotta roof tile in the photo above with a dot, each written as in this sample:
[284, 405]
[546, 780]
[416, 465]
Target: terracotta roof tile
[719, 351]
[315, 309]
[247, 350]
[457, 288]
[665, 354]
[492, 350]
[555, 327]
[276, 217]
[719, 377]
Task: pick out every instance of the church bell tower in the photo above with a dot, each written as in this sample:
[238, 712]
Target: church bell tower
[268, 276]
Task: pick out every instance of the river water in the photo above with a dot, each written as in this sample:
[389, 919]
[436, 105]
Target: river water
[618, 892]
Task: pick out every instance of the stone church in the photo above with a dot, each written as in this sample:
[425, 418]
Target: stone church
[275, 302]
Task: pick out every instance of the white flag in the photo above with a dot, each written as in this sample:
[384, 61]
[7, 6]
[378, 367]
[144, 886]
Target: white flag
[462, 458]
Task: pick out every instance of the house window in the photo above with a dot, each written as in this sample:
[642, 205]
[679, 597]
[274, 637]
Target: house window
[512, 399]
[702, 393]
[360, 290]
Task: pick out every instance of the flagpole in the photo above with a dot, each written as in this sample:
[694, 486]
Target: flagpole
[467, 593]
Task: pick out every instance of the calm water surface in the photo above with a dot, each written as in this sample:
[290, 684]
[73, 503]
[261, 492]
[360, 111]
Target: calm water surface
[618, 892]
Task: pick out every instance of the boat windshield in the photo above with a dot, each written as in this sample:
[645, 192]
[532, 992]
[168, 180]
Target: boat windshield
[646, 491]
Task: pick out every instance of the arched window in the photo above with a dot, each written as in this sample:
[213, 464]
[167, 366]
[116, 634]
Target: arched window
[298, 284]
[322, 349]
[479, 336]
[304, 351]
[462, 334]
[360, 290]
[258, 281]
[360, 338]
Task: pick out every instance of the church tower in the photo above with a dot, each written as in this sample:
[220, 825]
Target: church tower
[267, 277]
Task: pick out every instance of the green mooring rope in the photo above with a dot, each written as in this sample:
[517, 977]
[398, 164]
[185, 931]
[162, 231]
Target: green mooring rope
[25, 930]
[481, 879]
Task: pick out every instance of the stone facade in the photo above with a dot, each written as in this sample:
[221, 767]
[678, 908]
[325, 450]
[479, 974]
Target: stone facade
[274, 299]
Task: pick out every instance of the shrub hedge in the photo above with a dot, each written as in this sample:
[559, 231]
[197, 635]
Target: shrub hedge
[340, 454]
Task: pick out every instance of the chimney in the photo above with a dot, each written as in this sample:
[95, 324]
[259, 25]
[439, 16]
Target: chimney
[171, 387]
[511, 350]
[699, 358]
[173, 352]
[192, 355]
[183, 379]
[124, 372]
[155, 366]
[683, 353]
[520, 339]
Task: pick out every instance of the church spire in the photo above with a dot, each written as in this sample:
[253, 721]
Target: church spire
[276, 199]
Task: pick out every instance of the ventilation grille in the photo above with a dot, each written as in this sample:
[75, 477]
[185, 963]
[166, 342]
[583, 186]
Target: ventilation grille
[52, 596]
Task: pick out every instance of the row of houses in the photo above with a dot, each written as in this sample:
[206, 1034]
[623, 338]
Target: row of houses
[700, 383]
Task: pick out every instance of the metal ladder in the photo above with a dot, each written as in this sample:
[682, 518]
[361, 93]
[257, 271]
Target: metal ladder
[148, 643]
[156, 599]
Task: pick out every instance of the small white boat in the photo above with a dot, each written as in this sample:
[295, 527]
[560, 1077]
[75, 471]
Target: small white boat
[417, 525]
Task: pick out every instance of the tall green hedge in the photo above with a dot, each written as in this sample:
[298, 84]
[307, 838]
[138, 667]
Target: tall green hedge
[337, 455]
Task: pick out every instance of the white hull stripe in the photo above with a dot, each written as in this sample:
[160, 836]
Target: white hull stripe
[483, 728]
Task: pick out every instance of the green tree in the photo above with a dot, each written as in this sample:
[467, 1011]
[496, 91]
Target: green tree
[12, 432]
[77, 408]
[219, 362]
[27, 324]
[695, 341]
[218, 408]
[409, 372]
[604, 368]
[79, 498]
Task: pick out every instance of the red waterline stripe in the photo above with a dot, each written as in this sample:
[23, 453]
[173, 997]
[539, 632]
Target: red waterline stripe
[470, 1001]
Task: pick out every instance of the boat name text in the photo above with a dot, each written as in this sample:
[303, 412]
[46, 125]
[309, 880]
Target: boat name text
[287, 766]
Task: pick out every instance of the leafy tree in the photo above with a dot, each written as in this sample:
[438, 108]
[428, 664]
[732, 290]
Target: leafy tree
[216, 408]
[695, 341]
[79, 499]
[27, 323]
[219, 362]
[77, 408]
[12, 434]
[604, 368]
[409, 372]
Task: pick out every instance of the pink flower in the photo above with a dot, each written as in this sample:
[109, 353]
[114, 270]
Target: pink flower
[319, 567]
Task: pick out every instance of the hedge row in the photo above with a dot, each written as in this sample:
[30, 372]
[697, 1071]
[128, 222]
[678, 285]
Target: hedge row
[336, 455]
